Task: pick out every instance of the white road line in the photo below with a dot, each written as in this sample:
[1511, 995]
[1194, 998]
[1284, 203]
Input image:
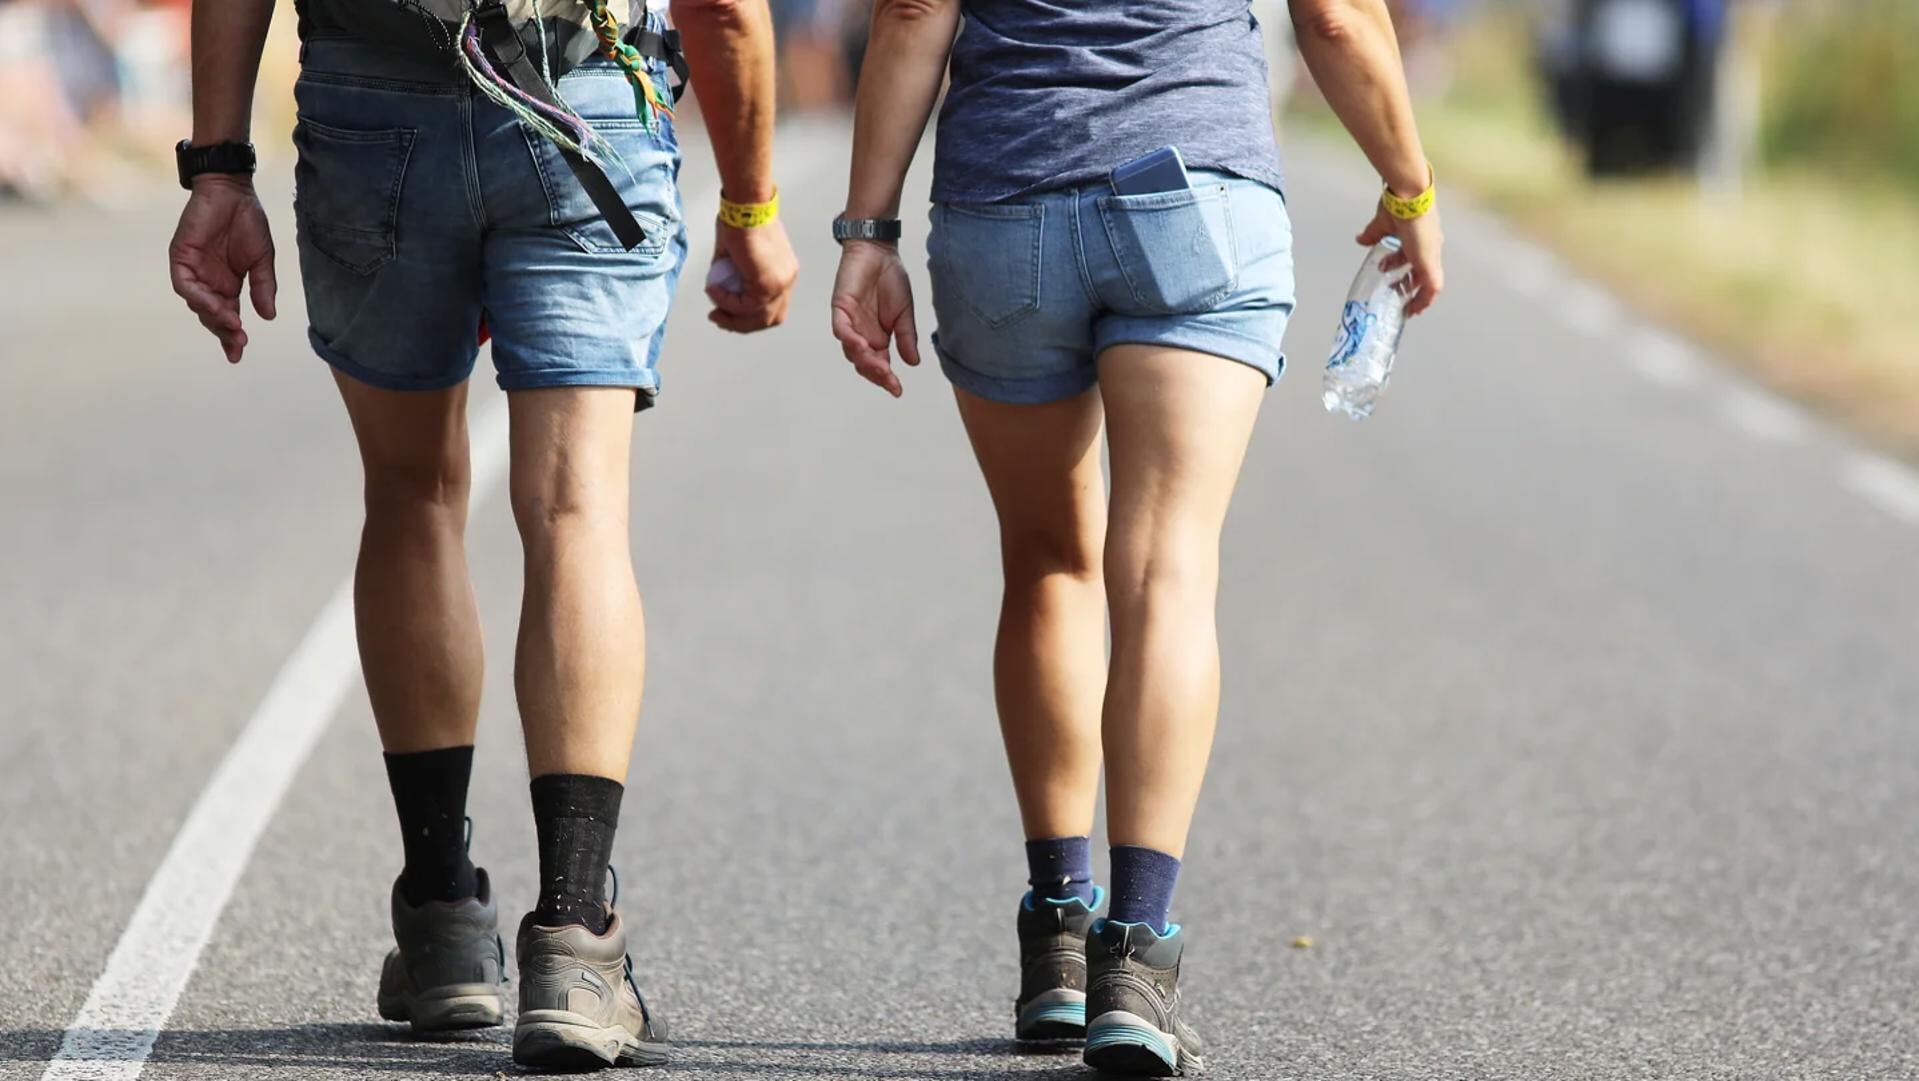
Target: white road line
[1666, 360]
[1885, 484]
[1589, 310]
[1763, 416]
[1532, 271]
[114, 1032]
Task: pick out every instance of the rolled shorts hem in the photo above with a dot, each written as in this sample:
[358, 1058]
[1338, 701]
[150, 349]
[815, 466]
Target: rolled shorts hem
[1034, 390]
[386, 380]
[644, 382]
[1240, 348]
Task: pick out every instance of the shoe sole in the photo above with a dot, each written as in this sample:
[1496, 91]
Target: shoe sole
[559, 1040]
[1055, 1016]
[447, 1009]
[1127, 1044]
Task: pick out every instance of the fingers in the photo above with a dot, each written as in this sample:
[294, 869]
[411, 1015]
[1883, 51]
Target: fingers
[233, 340]
[263, 286]
[218, 312]
[1376, 230]
[863, 344]
[906, 337]
[1431, 282]
[744, 313]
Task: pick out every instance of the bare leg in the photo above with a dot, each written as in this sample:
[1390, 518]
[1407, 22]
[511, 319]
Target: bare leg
[581, 661]
[1041, 464]
[419, 628]
[1178, 424]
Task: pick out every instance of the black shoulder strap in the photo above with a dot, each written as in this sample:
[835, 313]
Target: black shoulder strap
[508, 53]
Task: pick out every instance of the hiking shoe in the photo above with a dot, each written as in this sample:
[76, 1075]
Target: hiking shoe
[1132, 1002]
[445, 973]
[1052, 964]
[580, 1007]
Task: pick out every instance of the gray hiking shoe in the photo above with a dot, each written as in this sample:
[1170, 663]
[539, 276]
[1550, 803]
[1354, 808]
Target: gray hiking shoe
[580, 1007]
[445, 973]
[1132, 1003]
[1052, 963]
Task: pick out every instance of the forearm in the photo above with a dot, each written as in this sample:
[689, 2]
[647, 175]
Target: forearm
[729, 49]
[228, 36]
[905, 64]
[1350, 48]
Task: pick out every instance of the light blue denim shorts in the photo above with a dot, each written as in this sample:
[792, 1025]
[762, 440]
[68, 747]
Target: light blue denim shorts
[1028, 293]
[423, 209]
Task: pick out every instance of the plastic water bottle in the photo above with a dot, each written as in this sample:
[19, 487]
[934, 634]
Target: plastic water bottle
[1369, 330]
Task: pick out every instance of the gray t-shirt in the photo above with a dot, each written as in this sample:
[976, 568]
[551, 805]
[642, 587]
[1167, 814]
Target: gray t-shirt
[1047, 93]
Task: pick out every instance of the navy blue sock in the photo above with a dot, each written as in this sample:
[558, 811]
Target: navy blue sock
[1143, 881]
[1060, 868]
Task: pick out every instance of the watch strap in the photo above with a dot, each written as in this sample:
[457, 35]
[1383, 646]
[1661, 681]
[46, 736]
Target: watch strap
[193, 161]
[845, 229]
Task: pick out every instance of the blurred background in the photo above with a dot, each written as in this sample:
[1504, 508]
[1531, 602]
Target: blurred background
[1760, 154]
[1569, 704]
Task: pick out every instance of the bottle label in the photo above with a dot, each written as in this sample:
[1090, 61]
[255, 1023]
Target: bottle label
[1355, 324]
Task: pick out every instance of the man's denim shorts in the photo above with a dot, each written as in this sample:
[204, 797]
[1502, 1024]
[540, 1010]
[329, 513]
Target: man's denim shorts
[1030, 292]
[425, 209]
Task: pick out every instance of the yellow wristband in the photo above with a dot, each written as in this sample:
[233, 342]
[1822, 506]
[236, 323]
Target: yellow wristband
[1417, 207]
[748, 215]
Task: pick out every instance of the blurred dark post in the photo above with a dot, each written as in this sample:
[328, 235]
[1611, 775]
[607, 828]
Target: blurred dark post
[1635, 82]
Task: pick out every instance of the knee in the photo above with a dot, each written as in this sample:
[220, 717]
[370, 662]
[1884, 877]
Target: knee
[429, 482]
[549, 509]
[1066, 549]
[1160, 571]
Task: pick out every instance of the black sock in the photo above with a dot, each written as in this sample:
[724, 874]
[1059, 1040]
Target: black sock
[1143, 881]
[1060, 868]
[429, 792]
[575, 816]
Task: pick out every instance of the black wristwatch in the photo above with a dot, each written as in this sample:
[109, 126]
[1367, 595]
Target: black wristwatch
[845, 229]
[237, 158]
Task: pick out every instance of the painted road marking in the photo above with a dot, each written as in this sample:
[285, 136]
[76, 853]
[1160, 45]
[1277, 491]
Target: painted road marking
[1763, 416]
[114, 1032]
[1532, 271]
[1589, 310]
[1664, 359]
[112, 1036]
[1885, 484]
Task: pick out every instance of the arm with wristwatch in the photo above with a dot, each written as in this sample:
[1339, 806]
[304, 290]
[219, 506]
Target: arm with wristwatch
[223, 240]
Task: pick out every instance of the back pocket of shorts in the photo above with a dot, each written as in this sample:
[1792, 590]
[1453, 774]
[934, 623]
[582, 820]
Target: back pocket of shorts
[642, 174]
[1175, 248]
[347, 191]
[990, 254]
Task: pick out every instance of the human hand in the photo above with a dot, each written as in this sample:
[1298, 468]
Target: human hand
[767, 268]
[223, 237]
[872, 306]
[1421, 241]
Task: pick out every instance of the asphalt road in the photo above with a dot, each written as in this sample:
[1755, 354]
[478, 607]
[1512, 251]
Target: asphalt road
[1570, 702]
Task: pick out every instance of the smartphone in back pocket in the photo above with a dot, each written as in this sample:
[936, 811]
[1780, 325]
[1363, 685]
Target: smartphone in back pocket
[1161, 170]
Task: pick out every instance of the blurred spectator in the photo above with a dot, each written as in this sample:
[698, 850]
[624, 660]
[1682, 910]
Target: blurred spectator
[814, 50]
[1634, 81]
[86, 86]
